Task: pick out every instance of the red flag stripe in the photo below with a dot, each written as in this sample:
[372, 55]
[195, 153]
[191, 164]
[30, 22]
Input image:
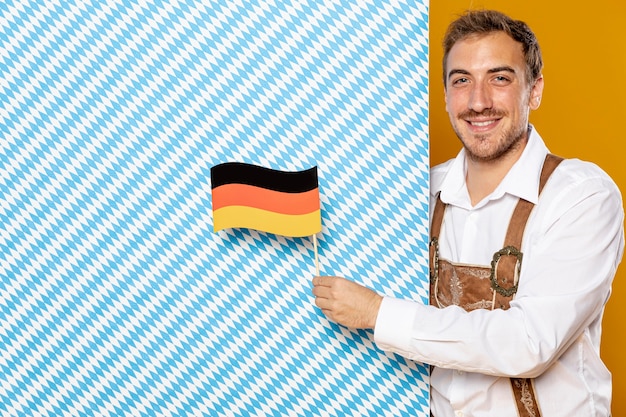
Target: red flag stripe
[264, 199]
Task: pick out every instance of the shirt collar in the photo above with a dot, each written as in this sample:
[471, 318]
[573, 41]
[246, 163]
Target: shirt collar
[521, 181]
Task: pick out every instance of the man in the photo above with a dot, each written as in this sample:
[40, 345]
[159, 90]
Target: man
[523, 253]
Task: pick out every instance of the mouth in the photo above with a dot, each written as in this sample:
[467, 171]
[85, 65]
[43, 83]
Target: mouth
[481, 125]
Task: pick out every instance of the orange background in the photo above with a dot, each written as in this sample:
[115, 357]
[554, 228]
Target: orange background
[582, 113]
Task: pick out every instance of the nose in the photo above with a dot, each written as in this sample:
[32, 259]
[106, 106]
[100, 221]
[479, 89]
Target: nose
[480, 98]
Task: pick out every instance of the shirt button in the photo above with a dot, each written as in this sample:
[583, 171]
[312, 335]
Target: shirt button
[459, 413]
[460, 373]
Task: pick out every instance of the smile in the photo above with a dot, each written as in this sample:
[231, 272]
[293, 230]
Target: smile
[482, 124]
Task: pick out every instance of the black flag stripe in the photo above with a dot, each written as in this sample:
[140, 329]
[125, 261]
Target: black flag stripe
[283, 181]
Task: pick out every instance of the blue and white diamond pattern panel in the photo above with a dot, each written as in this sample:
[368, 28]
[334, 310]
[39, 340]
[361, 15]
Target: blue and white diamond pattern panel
[116, 297]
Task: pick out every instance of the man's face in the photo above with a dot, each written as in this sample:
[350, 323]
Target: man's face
[487, 96]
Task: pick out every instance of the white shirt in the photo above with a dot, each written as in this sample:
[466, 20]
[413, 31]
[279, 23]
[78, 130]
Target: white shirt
[572, 246]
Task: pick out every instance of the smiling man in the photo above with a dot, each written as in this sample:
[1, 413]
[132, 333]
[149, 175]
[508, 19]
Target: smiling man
[524, 248]
[489, 98]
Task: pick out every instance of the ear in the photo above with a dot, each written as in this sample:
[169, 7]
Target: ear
[535, 93]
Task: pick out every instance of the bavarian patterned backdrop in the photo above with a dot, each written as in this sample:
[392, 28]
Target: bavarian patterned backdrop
[116, 296]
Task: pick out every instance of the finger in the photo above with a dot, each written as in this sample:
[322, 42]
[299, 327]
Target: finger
[324, 281]
[318, 291]
[322, 292]
[324, 304]
[328, 314]
[321, 302]
[318, 280]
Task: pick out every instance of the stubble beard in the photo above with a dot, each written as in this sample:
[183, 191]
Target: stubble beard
[508, 141]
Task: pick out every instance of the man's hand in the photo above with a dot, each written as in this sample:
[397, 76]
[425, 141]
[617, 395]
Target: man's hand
[346, 302]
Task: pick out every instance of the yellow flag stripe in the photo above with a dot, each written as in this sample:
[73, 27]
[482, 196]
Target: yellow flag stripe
[266, 221]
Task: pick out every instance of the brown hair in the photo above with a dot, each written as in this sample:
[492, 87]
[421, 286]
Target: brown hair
[483, 22]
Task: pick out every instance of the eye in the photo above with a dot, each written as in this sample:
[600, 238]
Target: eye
[460, 80]
[501, 79]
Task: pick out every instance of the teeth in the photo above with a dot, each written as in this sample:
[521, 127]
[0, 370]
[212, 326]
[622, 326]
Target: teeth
[481, 124]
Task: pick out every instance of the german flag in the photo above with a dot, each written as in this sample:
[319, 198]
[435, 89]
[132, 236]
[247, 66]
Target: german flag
[280, 202]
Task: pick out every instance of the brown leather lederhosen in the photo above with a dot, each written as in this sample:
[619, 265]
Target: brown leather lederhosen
[472, 287]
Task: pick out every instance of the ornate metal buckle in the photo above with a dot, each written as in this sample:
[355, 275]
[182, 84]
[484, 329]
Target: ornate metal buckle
[506, 251]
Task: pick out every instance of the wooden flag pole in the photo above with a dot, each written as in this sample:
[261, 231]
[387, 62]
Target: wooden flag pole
[317, 264]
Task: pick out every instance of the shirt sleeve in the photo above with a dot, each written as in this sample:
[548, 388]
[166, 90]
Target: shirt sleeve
[570, 259]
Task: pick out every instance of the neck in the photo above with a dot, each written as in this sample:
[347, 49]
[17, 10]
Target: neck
[483, 177]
